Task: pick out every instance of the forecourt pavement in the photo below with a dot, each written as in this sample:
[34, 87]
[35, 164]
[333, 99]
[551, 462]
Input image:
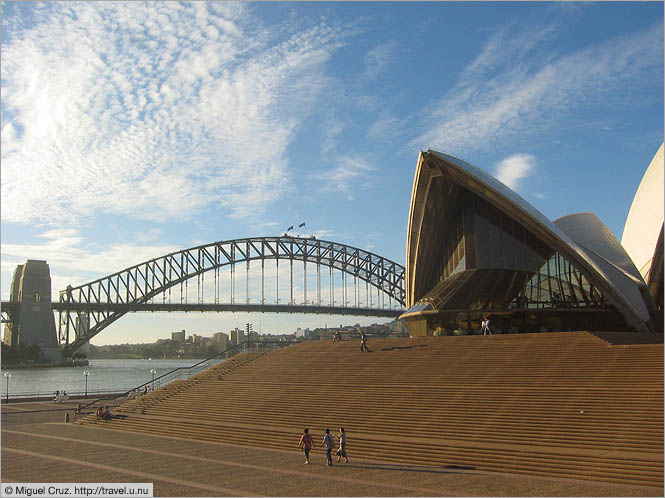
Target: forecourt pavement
[37, 446]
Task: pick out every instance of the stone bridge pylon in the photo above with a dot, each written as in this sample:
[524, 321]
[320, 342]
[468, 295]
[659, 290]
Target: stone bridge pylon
[31, 315]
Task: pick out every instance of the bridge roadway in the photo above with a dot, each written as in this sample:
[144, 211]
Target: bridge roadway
[8, 306]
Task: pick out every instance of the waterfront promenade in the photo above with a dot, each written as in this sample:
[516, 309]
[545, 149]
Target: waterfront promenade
[37, 446]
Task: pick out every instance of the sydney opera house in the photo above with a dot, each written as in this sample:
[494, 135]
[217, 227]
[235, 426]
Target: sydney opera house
[476, 250]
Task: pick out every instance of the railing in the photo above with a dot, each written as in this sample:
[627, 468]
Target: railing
[51, 394]
[186, 372]
[352, 335]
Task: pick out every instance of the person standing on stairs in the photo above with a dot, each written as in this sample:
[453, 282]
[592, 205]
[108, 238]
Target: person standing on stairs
[363, 342]
[306, 443]
[485, 327]
[329, 442]
[341, 452]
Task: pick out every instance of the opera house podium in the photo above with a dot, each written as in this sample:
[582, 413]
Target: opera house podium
[567, 405]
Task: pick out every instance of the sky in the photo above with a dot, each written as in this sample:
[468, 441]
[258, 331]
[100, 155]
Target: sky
[131, 130]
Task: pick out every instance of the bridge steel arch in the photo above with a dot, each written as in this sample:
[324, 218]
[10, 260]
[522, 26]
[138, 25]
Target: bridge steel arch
[140, 283]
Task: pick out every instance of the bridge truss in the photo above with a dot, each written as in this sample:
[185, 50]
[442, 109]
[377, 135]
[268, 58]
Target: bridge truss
[87, 309]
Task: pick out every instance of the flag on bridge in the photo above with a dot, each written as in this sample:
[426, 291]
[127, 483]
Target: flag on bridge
[301, 225]
[290, 228]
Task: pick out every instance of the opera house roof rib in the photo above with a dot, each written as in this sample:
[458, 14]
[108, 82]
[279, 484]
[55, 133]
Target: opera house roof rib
[474, 244]
[643, 232]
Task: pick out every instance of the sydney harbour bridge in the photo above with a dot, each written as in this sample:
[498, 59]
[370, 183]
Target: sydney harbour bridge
[240, 275]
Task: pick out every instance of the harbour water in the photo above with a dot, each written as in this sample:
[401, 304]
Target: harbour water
[104, 376]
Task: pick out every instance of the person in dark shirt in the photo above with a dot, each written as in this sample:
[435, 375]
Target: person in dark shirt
[363, 342]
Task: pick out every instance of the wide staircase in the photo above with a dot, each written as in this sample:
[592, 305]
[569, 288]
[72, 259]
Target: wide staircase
[565, 404]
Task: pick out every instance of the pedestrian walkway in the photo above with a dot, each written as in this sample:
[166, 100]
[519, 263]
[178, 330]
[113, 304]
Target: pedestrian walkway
[59, 452]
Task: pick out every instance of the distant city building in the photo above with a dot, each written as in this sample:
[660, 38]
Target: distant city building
[178, 337]
[236, 336]
[397, 327]
[303, 334]
[221, 340]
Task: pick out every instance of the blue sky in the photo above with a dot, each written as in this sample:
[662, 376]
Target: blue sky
[132, 130]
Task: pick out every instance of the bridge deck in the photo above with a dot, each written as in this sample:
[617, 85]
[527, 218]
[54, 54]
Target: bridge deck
[216, 307]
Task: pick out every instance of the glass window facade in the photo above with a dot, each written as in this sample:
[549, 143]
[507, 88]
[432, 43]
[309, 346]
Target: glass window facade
[480, 258]
[444, 251]
[558, 284]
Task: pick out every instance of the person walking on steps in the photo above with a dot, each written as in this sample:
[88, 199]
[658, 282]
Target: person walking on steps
[363, 342]
[329, 442]
[306, 443]
[341, 452]
[486, 328]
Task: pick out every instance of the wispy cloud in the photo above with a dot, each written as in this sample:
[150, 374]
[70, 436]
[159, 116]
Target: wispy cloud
[152, 111]
[352, 172]
[387, 127]
[75, 261]
[515, 168]
[69, 252]
[377, 59]
[149, 235]
[266, 228]
[333, 129]
[512, 90]
[324, 234]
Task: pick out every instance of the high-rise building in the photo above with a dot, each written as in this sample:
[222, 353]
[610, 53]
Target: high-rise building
[303, 333]
[233, 337]
[222, 341]
[178, 337]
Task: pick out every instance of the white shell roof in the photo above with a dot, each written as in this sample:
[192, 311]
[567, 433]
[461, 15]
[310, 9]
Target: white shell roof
[618, 283]
[645, 218]
[601, 247]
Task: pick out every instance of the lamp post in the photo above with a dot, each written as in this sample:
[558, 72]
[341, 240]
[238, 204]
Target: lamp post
[7, 376]
[153, 371]
[86, 373]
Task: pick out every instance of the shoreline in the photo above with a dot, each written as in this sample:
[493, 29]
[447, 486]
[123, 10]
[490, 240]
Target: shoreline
[21, 366]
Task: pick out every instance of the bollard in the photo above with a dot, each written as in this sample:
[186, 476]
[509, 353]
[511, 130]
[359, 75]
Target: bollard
[66, 418]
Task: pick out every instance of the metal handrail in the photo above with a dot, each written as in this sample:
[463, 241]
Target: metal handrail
[51, 394]
[176, 371]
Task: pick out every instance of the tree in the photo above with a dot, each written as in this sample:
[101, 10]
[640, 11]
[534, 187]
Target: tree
[9, 353]
[32, 352]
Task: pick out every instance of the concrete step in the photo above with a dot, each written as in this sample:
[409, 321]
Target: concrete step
[496, 403]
